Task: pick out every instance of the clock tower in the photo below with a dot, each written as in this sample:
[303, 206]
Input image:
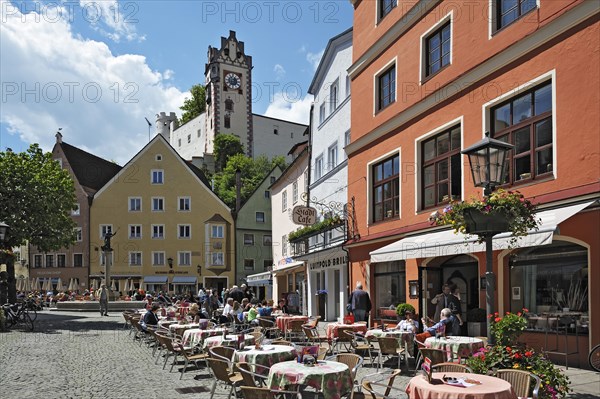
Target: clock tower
[228, 93]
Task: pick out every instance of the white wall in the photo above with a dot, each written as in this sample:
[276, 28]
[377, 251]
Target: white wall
[266, 142]
[196, 128]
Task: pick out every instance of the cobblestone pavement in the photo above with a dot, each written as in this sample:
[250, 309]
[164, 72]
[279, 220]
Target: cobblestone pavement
[83, 355]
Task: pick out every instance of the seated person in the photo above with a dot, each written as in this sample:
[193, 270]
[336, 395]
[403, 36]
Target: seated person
[148, 301]
[245, 305]
[408, 325]
[265, 309]
[150, 319]
[446, 320]
[194, 312]
[282, 306]
[236, 311]
[253, 315]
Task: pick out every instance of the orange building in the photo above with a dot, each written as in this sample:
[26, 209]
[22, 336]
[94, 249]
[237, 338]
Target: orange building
[429, 78]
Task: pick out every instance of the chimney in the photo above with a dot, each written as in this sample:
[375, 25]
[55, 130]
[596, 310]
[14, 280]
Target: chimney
[58, 136]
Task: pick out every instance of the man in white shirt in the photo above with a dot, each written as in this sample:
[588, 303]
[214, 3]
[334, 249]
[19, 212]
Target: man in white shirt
[228, 307]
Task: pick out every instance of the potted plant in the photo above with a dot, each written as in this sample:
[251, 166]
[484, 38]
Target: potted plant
[500, 211]
[477, 322]
[403, 307]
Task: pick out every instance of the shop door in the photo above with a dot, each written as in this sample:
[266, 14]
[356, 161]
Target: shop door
[216, 283]
[431, 283]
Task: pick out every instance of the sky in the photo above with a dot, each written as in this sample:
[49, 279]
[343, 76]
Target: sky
[96, 69]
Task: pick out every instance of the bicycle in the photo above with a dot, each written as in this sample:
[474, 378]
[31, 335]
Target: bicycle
[594, 357]
[18, 314]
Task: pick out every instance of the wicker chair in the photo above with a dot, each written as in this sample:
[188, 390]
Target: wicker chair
[361, 346]
[190, 356]
[225, 353]
[520, 381]
[390, 347]
[266, 393]
[353, 361]
[254, 375]
[342, 340]
[270, 330]
[435, 355]
[378, 381]
[451, 368]
[294, 331]
[312, 335]
[221, 372]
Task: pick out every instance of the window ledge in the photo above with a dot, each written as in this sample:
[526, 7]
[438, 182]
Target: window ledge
[331, 114]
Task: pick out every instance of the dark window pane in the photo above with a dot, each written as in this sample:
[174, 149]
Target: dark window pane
[502, 117]
[543, 100]
[522, 108]
[387, 209]
[378, 212]
[429, 150]
[387, 191]
[378, 194]
[443, 144]
[543, 132]
[509, 17]
[506, 5]
[527, 5]
[434, 68]
[446, 47]
[544, 161]
[446, 33]
[434, 41]
[429, 199]
[445, 59]
[429, 175]
[455, 139]
[522, 140]
[388, 169]
[443, 193]
[523, 167]
[442, 170]
[396, 165]
[377, 172]
[455, 174]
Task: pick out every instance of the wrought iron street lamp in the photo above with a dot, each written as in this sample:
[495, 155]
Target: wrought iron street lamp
[170, 260]
[487, 159]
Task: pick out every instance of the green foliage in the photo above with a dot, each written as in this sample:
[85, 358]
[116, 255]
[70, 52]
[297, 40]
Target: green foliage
[253, 172]
[403, 307]
[226, 146]
[554, 383]
[519, 211]
[506, 330]
[307, 231]
[194, 106]
[37, 198]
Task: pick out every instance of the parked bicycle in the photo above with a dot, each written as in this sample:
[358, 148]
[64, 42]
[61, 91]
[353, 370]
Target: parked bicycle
[19, 314]
[594, 357]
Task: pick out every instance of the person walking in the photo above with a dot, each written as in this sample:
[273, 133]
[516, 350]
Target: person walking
[102, 296]
[361, 303]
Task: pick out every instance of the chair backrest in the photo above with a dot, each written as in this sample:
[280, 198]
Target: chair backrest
[451, 368]
[520, 381]
[220, 369]
[295, 325]
[342, 336]
[265, 323]
[374, 388]
[225, 353]
[249, 392]
[351, 360]
[247, 374]
[435, 355]
[258, 336]
[388, 345]
[322, 353]
[367, 383]
[310, 332]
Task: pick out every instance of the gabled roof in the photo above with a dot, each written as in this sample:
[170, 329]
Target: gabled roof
[289, 167]
[217, 218]
[92, 172]
[328, 55]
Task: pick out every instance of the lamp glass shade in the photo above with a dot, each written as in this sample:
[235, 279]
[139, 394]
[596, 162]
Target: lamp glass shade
[487, 159]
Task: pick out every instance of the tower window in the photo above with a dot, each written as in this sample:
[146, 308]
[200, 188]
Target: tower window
[275, 129]
[227, 122]
[228, 105]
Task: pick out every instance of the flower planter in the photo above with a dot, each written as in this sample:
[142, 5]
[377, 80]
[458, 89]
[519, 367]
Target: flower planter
[477, 222]
[477, 329]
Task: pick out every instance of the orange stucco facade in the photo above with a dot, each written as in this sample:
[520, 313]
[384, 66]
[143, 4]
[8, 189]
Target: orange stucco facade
[558, 42]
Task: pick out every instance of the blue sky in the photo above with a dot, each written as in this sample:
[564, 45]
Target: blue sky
[97, 68]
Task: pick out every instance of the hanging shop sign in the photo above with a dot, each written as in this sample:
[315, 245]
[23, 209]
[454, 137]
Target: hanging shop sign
[304, 215]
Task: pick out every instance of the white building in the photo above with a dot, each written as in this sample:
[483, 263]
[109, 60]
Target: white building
[326, 261]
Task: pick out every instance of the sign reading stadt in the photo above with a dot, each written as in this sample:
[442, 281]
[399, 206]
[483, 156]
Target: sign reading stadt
[304, 215]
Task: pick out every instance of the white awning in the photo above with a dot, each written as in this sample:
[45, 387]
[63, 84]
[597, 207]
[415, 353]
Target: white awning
[185, 280]
[446, 242]
[259, 279]
[288, 267]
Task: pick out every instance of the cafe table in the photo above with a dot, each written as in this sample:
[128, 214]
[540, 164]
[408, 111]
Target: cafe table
[282, 321]
[455, 346]
[333, 329]
[489, 387]
[332, 379]
[195, 336]
[217, 340]
[266, 355]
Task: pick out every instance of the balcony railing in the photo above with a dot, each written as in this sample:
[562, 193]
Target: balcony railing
[317, 240]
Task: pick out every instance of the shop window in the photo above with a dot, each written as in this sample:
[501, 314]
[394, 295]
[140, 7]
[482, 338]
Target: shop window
[390, 280]
[386, 186]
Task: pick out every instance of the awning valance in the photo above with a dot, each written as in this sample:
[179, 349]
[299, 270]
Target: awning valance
[184, 280]
[155, 279]
[446, 242]
[258, 279]
[288, 267]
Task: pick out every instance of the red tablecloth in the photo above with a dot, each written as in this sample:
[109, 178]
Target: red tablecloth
[490, 388]
[282, 321]
[332, 328]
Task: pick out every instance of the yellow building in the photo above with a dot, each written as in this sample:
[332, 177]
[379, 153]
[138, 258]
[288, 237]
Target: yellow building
[171, 232]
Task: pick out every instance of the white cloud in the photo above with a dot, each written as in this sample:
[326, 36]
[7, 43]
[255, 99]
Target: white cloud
[113, 20]
[314, 58]
[54, 78]
[279, 71]
[288, 109]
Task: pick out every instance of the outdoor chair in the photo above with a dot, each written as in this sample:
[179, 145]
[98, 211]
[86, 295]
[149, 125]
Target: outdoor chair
[312, 335]
[221, 372]
[360, 345]
[190, 356]
[254, 375]
[294, 331]
[258, 336]
[390, 347]
[520, 381]
[266, 393]
[322, 354]
[225, 353]
[383, 380]
[342, 340]
[436, 356]
[353, 361]
[451, 368]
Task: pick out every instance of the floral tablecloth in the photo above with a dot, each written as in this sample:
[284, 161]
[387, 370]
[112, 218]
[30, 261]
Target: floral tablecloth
[455, 346]
[267, 356]
[332, 329]
[490, 388]
[332, 379]
[218, 340]
[282, 321]
[195, 336]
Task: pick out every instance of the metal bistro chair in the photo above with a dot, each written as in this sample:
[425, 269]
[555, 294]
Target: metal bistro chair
[294, 331]
[390, 347]
[435, 355]
[342, 339]
[378, 381]
[520, 381]
[451, 368]
[222, 373]
[266, 393]
[254, 375]
[361, 346]
[353, 361]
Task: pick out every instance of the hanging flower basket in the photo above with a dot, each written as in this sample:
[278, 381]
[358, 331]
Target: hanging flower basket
[501, 211]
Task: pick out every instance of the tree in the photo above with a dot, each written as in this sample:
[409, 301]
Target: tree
[253, 171]
[192, 107]
[226, 146]
[37, 198]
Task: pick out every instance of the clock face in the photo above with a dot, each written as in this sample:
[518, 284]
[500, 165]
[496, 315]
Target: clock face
[232, 81]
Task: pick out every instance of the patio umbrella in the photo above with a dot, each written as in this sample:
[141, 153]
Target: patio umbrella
[46, 284]
[19, 285]
[26, 284]
[126, 287]
[113, 285]
[94, 284]
[59, 285]
[72, 285]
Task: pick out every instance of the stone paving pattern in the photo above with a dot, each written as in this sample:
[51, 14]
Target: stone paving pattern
[83, 355]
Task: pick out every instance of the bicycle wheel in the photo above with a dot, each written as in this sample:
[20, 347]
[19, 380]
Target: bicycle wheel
[594, 358]
[32, 314]
[26, 320]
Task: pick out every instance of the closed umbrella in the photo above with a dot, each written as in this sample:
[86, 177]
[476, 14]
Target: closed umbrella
[94, 284]
[26, 285]
[59, 285]
[47, 285]
[113, 285]
[36, 283]
[19, 285]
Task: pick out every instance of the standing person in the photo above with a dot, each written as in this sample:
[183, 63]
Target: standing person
[361, 303]
[102, 296]
[448, 301]
[236, 293]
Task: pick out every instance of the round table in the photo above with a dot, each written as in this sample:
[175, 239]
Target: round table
[332, 329]
[332, 379]
[455, 346]
[267, 356]
[490, 388]
[195, 336]
[282, 321]
[218, 340]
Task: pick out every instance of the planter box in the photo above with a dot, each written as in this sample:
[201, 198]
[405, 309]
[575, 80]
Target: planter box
[477, 329]
[478, 222]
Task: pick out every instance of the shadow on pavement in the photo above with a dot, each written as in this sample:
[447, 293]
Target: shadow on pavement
[55, 323]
